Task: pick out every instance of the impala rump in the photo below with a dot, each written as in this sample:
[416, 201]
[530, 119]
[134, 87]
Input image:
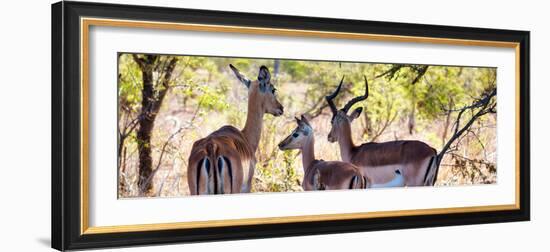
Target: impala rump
[222, 163]
[333, 175]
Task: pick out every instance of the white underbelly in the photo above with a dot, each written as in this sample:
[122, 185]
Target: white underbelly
[382, 174]
[397, 181]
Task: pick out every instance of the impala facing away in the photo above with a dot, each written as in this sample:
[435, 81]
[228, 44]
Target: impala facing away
[378, 161]
[224, 161]
[327, 175]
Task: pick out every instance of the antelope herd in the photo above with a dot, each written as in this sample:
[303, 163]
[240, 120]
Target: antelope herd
[224, 161]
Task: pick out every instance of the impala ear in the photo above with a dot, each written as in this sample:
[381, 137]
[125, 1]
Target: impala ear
[305, 119]
[304, 125]
[264, 77]
[356, 113]
[240, 76]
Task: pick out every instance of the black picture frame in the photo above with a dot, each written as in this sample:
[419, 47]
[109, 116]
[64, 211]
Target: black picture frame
[66, 114]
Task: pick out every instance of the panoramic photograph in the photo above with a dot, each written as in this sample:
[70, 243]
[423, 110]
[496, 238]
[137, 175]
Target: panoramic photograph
[199, 125]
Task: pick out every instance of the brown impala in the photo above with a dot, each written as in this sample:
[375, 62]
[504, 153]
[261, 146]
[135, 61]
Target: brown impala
[327, 175]
[378, 161]
[224, 161]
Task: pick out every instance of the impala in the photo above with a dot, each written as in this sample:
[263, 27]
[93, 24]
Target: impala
[378, 161]
[327, 175]
[224, 161]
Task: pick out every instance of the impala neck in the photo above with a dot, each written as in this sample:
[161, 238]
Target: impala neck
[346, 142]
[254, 121]
[308, 153]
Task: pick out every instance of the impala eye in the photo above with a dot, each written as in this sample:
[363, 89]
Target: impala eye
[273, 90]
[295, 135]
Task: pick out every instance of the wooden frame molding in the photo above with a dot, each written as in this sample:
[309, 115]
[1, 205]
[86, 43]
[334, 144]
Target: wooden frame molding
[88, 22]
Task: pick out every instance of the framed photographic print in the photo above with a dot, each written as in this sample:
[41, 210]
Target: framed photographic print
[180, 125]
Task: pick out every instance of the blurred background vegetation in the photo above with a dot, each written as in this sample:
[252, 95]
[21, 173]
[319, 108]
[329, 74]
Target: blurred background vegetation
[188, 97]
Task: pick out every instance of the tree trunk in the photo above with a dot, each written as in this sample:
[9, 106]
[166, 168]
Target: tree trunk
[146, 124]
[276, 66]
[151, 101]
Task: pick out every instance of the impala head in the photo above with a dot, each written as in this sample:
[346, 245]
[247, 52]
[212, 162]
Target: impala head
[261, 91]
[340, 117]
[299, 136]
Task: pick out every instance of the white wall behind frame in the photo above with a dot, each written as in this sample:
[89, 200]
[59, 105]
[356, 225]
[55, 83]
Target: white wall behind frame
[25, 214]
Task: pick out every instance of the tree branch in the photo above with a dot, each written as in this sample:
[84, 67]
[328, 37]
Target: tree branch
[419, 69]
[317, 109]
[484, 105]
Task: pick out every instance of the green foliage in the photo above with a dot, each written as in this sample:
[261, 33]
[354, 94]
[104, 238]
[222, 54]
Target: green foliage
[129, 83]
[275, 170]
[299, 70]
[278, 174]
[212, 99]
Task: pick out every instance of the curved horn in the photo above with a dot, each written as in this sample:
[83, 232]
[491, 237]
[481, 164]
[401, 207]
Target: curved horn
[332, 96]
[358, 98]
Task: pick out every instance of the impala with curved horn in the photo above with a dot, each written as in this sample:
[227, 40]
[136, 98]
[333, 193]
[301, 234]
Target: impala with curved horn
[224, 161]
[327, 175]
[415, 159]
